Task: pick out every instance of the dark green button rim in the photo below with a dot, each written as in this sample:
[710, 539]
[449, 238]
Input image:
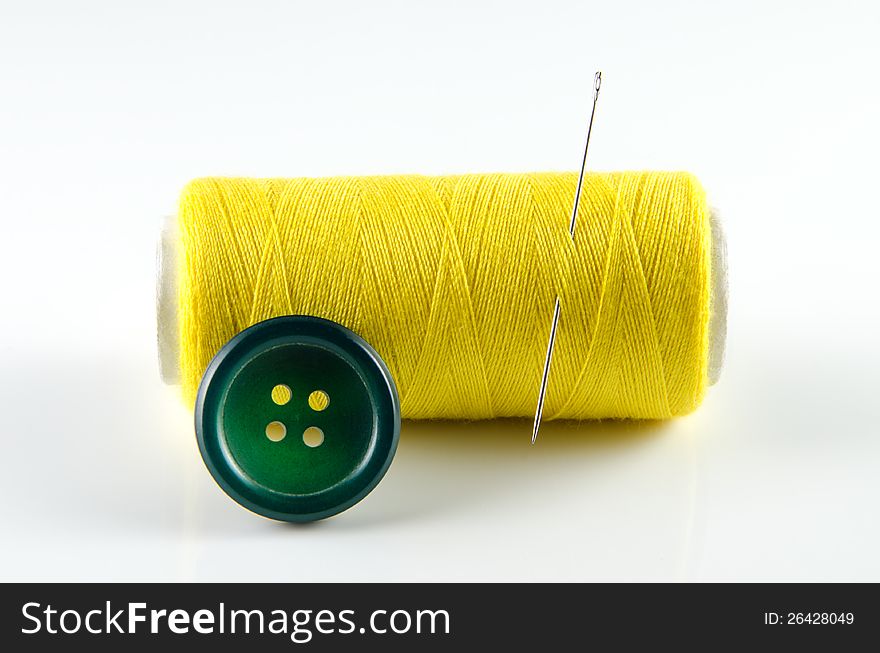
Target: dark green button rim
[257, 339]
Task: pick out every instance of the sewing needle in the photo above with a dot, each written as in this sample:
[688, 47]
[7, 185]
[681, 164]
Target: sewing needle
[577, 196]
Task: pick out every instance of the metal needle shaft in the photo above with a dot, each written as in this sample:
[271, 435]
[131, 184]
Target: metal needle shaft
[542, 395]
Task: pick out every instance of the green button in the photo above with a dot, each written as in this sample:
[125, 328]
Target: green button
[297, 418]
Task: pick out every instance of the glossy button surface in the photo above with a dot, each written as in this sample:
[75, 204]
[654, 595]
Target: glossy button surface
[297, 418]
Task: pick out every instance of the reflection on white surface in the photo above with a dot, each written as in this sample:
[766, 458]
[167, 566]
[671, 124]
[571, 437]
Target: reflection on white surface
[103, 481]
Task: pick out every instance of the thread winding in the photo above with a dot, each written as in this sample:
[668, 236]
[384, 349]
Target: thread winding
[453, 280]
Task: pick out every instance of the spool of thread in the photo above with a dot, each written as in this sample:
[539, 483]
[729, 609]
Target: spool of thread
[453, 280]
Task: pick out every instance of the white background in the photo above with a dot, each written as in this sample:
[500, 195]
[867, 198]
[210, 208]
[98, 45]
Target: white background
[107, 109]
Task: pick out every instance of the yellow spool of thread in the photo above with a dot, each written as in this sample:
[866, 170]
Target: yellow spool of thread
[453, 280]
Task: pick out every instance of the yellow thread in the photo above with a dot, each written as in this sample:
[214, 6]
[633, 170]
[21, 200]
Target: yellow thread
[319, 400]
[453, 279]
[281, 394]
